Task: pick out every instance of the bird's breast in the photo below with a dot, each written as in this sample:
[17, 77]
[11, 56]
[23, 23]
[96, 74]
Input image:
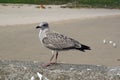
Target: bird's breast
[41, 35]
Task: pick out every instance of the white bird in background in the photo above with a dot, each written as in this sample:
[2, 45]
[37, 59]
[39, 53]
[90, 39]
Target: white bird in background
[57, 42]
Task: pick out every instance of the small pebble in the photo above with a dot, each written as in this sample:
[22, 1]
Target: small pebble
[39, 75]
[88, 69]
[114, 45]
[118, 74]
[24, 67]
[110, 42]
[71, 69]
[118, 59]
[35, 61]
[32, 78]
[104, 41]
[112, 69]
[98, 65]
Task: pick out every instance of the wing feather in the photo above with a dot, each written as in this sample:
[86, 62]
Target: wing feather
[57, 41]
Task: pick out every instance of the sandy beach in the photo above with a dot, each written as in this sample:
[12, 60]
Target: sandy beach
[19, 38]
[26, 14]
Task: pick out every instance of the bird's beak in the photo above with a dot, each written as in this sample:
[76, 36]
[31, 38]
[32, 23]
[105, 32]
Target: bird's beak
[38, 27]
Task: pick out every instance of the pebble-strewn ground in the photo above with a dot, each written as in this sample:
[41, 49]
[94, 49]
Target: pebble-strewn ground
[27, 70]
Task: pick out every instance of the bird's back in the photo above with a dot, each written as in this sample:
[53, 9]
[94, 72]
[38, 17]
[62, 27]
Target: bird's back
[57, 41]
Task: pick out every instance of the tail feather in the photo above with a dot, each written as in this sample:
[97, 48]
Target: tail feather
[80, 46]
[83, 48]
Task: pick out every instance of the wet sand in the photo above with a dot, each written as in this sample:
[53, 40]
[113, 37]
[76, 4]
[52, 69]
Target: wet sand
[21, 42]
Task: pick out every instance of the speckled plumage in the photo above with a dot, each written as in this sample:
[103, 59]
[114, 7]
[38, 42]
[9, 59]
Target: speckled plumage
[56, 41]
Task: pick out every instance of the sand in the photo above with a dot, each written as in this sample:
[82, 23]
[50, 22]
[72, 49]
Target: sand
[27, 14]
[20, 41]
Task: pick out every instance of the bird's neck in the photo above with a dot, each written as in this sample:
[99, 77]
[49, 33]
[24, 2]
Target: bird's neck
[43, 33]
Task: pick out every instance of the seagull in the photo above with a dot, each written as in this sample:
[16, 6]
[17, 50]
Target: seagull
[57, 42]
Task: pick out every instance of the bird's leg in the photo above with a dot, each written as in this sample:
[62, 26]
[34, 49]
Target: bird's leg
[48, 64]
[52, 57]
[56, 57]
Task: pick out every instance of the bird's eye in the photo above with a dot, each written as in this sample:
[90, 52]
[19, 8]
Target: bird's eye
[44, 25]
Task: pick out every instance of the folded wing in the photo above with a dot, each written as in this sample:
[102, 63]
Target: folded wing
[57, 41]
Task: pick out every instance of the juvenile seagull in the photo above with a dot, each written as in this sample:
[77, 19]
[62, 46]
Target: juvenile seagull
[57, 42]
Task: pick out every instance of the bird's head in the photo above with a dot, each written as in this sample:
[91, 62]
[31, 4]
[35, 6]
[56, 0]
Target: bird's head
[43, 25]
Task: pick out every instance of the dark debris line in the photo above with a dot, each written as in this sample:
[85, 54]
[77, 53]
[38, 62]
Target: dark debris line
[24, 70]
